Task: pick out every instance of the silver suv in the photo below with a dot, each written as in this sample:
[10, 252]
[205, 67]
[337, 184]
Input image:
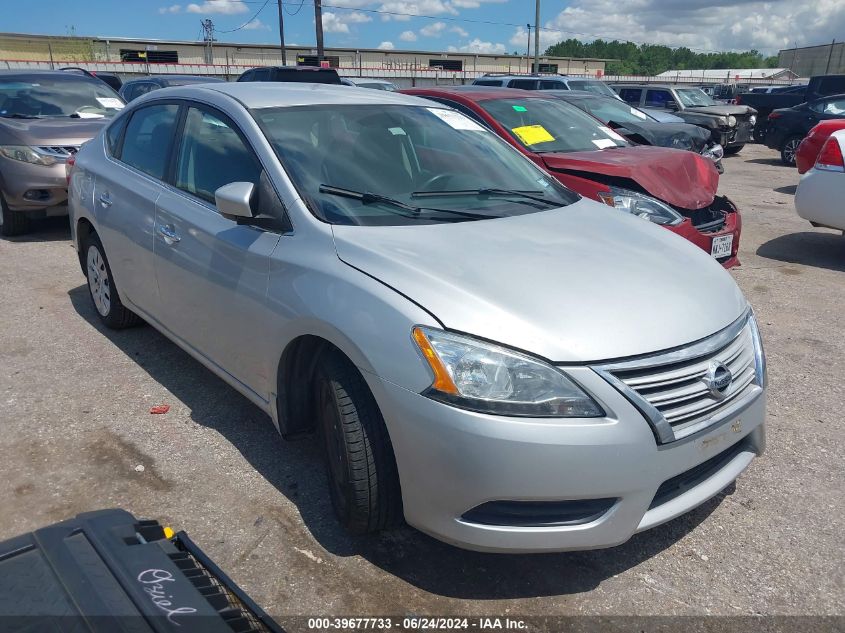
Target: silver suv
[44, 117]
[547, 82]
[506, 365]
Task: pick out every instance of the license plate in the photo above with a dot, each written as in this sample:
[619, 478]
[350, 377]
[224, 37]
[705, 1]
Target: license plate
[722, 246]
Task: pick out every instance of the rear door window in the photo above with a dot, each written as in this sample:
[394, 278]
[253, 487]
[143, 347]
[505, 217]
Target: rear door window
[488, 82]
[831, 85]
[148, 138]
[213, 154]
[552, 85]
[524, 84]
[631, 95]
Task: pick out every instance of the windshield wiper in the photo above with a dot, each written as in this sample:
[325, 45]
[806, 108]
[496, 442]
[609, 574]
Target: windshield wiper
[18, 115]
[366, 197]
[530, 195]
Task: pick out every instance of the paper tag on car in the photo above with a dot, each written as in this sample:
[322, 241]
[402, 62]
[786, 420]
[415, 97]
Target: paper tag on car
[456, 120]
[111, 102]
[603, 143]
[533, 134]
[612, 134]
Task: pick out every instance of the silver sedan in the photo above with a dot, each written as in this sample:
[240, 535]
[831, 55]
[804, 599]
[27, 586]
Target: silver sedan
[485, 354]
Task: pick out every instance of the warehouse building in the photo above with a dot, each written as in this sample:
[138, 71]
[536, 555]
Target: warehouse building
[814, 60]
[128, 56]
[729, 75]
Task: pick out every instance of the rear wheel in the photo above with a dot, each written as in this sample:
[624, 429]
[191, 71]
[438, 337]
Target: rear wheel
[733, 150]
[12, 222]
[363, 481]
[102, 289]
[788, 149]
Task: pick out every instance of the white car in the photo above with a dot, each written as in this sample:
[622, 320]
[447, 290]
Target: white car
[824, 184]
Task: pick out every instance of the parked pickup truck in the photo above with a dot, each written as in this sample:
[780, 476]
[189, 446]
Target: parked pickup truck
[819, 86]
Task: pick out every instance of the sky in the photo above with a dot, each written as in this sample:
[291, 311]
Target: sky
[484, 26]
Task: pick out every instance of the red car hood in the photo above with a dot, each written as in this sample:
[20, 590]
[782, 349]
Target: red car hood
[681, 178]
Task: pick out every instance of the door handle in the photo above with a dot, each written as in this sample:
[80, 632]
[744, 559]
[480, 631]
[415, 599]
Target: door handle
[105, 199]
[169, 234]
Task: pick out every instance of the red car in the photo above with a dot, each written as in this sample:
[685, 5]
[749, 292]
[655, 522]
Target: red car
[808, 150]
[673, 188]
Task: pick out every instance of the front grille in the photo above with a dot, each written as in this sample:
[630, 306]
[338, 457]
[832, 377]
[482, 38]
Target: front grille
[712, 218]
[59, 151]
[672, 391]
[687, 480]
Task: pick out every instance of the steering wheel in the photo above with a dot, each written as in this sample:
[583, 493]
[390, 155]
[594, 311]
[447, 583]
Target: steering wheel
[428, 184]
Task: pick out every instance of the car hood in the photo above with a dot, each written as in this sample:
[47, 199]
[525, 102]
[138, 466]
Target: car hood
[577, 284]
[683, 179]
[664, 134]
[51, 131]
[723, 110]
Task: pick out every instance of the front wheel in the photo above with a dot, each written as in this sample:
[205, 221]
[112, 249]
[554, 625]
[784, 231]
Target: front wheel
[12, 222]
[733, 150]
[788, 149]
[363, 481]
[102, 289]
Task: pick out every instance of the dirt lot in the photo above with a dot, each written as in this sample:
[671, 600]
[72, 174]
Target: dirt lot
[76, 425]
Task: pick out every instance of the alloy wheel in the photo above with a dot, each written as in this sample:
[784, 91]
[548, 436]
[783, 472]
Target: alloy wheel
[98, 281]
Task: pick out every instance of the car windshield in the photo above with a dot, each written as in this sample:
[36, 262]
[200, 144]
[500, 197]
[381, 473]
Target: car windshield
[36, 97]
[397, 164]
[614, 110]
[598, 87]
[694, 97]
[543, 125]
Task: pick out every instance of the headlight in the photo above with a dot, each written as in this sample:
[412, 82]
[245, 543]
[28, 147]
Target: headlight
[715, 152]
[484, 377]
[639, 204]
[752, 120]
[761, 373]
[682, 141]
[728, 121]
[27, 155]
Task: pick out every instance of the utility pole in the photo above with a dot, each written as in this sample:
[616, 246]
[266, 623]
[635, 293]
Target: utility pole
[318, 23]
[282, 35]
[208, 39]
[537, 39]
[528, 50]
[829, 55]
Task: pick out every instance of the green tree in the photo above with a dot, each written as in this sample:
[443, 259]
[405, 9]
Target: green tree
[651, 59]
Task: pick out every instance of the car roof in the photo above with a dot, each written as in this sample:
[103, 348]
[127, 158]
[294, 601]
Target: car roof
[369, 80]
[647, 85]
[270, 94]
[51, 74]
[482, 93]
[567, 77]
[185, 78]
[578, 94]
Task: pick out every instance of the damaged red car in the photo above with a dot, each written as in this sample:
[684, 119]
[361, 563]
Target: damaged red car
[670, 187]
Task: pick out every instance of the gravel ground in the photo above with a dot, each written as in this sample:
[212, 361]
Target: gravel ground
[76, 427]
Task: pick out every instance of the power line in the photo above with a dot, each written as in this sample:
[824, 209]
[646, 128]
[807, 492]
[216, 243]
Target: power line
[266, 2]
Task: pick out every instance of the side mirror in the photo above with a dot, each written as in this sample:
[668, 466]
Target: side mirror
[234, 199]
[671, 105]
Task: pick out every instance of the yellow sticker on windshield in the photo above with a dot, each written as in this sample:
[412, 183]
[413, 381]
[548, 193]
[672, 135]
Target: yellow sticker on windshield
[533, 134]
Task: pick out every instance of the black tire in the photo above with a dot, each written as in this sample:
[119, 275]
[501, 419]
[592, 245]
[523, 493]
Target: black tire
[98, 273]
[363, 480]
[788, 148]
[12, 222]
[734, 150]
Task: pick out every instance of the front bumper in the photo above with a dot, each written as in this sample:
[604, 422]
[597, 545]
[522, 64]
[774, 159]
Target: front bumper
[740, 134]
[28, 187]
[704, 238]
[451, 461]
